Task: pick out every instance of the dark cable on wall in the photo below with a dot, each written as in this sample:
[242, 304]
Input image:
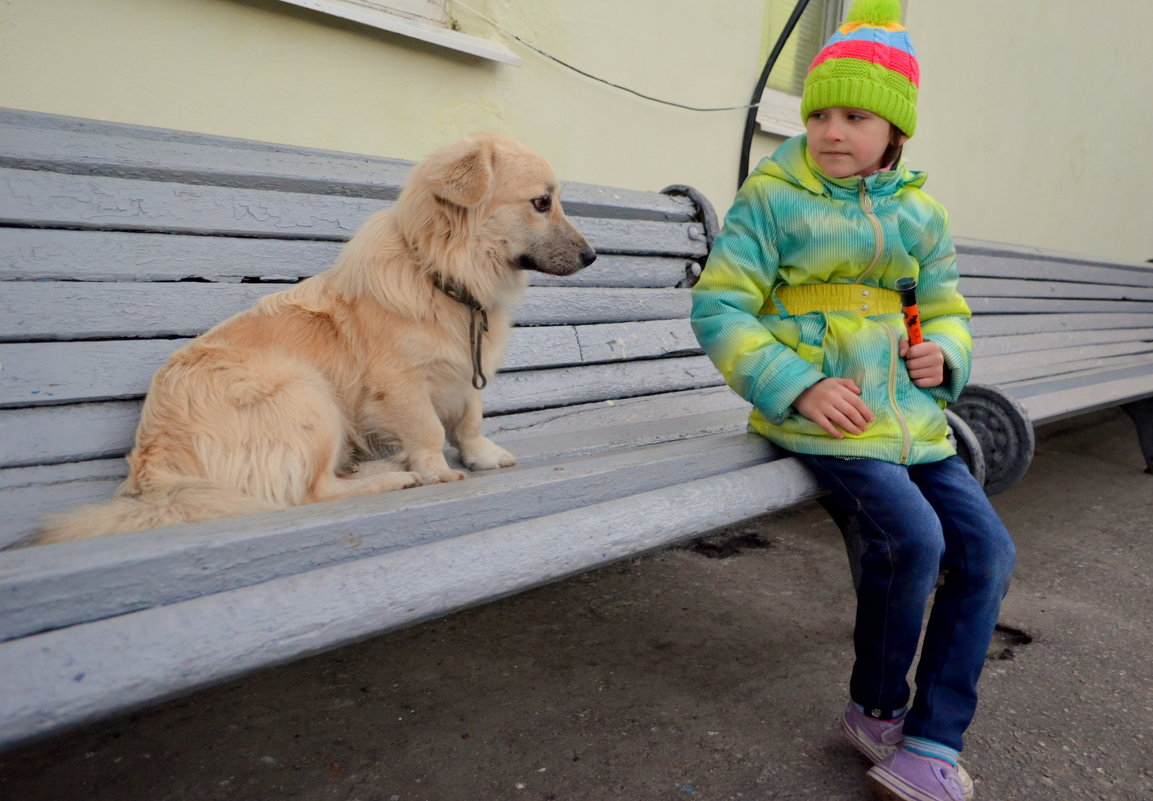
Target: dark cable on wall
[751, 117]
[589, 75]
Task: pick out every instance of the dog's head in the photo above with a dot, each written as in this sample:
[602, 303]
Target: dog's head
[508, 198]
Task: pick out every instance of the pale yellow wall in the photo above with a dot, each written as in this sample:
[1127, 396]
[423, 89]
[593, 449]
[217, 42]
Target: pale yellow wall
[267, 70]
[1032, 118]
[1034, 121]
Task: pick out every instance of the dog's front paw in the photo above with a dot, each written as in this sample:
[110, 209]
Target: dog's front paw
[442, 476]
[484, 454]
[391, 480]
[412, 480]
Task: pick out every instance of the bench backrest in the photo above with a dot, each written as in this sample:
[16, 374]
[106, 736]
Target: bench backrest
[120, 243]
[1064, 335]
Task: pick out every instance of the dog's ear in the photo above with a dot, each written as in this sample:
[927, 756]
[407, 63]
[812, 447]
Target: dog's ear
[462, 172]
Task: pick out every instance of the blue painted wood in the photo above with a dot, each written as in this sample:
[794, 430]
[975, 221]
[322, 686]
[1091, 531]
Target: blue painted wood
[32, 254]
[63, 310]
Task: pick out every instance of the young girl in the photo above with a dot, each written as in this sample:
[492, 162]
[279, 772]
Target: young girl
[797, 309]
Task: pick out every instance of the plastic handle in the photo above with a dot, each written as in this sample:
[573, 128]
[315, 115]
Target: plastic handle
[908, 289]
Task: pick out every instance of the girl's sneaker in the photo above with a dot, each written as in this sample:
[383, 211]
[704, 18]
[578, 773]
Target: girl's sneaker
[878, 740]
[905, 776]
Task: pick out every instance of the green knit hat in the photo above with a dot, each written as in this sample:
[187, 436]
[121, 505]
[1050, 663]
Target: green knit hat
[869, 63]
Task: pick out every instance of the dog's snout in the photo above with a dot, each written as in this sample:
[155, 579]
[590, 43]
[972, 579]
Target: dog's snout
[588, 256]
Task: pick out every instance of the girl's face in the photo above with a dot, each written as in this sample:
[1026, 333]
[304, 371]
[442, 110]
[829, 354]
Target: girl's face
[850, 141]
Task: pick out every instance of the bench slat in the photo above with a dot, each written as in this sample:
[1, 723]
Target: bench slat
[22, 508]
[976, 266]
[63, 310]
[1040, 307]
[43, 475]
[625, 414]
[1050, 399]
[38, 373]
[49, 434]
[58, 200]
[1007, 376]
[543, 389]
[117, 153]
[49, 199]
[57, 372]
[1074, 262]
[1004, 325]
[636, 340]
[31, 254]
[1051, 290]
[987, 347]
[1057, 356]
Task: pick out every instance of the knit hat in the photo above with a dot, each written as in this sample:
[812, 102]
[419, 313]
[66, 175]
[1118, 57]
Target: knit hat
[870, 64]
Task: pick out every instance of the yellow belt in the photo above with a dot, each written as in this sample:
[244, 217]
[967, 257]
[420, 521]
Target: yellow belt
[864, 300]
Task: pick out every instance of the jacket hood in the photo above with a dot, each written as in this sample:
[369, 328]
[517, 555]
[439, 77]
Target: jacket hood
[792, 162]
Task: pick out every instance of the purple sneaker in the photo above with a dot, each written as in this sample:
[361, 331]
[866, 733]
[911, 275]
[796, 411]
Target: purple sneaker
[906, 776]
[876, 739]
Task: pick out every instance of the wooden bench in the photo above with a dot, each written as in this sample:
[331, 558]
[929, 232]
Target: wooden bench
[1060, 336]
[118, 243]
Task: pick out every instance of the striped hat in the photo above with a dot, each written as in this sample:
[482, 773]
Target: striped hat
[870, 64]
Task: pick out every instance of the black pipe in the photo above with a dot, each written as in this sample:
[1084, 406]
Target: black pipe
[751, 118]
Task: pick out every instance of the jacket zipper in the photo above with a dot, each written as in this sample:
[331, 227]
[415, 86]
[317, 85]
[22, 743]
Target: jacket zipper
[894, 364]
[878, 232]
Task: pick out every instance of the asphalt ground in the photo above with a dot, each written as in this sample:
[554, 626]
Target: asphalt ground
[702, 673]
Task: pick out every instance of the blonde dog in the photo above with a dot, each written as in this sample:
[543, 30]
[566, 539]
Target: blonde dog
[384, 353]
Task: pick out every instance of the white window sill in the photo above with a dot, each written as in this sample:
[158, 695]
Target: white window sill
[780, 113]
[426, 32]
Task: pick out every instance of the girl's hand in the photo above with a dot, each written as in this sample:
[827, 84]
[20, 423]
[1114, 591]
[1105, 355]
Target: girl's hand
[835, 405]
[925, 362]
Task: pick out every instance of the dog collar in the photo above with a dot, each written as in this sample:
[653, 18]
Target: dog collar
[477, 324]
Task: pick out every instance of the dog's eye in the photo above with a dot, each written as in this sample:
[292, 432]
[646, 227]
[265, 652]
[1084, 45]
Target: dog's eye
[542, 203]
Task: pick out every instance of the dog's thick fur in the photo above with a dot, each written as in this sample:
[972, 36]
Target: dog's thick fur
[275, 406]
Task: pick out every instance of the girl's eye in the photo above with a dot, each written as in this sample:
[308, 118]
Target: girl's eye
[542, 203]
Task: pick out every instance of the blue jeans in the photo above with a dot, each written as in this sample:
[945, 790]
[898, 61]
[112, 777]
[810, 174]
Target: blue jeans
[917, 521]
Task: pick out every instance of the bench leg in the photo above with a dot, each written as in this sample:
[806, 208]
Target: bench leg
[1141, 413]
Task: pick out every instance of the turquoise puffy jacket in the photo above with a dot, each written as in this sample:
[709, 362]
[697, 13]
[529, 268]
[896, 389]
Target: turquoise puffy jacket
[765, 314]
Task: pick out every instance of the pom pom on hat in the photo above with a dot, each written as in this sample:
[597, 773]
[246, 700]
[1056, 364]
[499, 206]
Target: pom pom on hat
[869, 63]
[875, 12]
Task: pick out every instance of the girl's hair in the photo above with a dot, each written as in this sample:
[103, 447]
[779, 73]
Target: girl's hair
[892, 154]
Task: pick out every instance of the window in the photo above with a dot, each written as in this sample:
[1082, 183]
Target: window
[427, 20]
[780, 109]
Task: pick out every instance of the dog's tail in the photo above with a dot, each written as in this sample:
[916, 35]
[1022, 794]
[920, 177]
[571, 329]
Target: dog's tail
[183, 500]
